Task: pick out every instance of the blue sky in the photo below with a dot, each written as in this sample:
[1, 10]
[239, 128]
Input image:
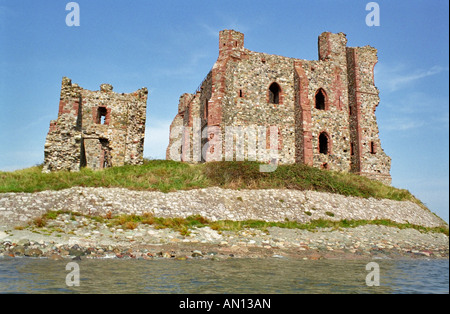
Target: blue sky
[169, 47]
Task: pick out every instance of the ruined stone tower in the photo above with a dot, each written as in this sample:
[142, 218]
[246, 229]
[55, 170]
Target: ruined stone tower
[323, 110]
[96, 129]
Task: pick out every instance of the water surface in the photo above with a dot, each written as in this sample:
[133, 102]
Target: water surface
[233, 276]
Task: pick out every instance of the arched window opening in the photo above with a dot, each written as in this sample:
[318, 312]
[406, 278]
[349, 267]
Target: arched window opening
[274, 93]
[324, 143]
[320, 99]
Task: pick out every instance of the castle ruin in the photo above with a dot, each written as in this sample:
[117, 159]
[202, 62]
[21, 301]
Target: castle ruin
[324, 110]
[96, 129]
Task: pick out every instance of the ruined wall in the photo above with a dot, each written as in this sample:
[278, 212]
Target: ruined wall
[329, 75]
[96, 129]
[252, 78]
[174, 150]
[369, 158]
[196, 119]
[248, 102]
[64, 140]
[324, 109]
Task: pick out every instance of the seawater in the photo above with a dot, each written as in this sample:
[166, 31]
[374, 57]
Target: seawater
[232, 276]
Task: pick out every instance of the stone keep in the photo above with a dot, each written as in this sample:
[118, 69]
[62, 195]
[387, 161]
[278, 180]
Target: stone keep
[324, 109]
[96, 129]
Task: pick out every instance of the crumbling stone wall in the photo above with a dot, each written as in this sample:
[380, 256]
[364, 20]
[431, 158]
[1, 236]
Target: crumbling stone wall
[96, 129]
[369, 159]
[324, 109]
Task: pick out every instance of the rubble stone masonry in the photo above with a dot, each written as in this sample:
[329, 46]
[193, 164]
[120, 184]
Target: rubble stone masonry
[324, 109]
[96, 129]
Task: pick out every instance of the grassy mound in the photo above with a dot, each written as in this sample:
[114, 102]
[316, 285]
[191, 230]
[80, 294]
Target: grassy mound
[167, 176]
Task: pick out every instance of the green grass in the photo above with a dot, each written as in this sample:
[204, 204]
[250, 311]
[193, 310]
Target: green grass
[167, 176]
[318, 224]
[162, 176]
[185, 225]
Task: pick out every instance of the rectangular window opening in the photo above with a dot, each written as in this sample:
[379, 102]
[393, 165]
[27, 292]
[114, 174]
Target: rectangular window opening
[101, 115]
[373, 148]
[206, 110]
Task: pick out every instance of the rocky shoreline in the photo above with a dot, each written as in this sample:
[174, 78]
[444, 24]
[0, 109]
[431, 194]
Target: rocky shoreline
[145, 242]
[213, 204]
[70, 236]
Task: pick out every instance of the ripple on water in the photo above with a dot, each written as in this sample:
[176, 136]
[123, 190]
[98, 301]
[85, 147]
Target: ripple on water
[237, 276]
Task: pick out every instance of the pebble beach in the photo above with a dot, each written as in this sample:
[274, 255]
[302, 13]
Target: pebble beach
[83, 237]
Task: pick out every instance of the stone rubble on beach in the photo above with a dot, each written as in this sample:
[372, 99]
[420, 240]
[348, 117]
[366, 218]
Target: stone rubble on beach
[212, 203]
[71, 236]
[64, 239]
